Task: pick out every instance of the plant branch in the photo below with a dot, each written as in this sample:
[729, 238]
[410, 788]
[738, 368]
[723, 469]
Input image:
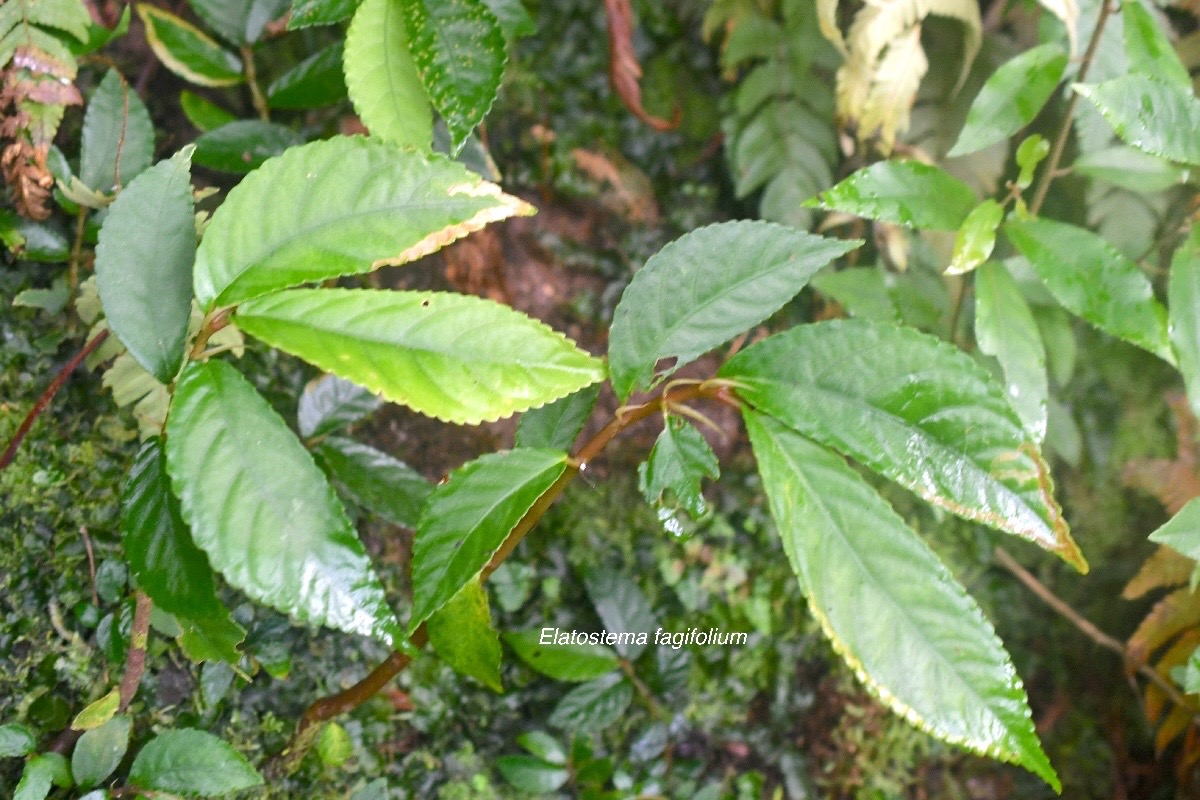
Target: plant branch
[256, 95]
[76, 256]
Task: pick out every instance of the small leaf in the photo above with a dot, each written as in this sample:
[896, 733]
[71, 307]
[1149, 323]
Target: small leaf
[330, 403]
[462, 634]
[563, 662]
[891, 609]
[376, 481]
[903, 192]
[1184, 313]
[556, 426]
[622, 608]
[593, 706]
[705, 288]
[98, 752]
[144, 265]
[192, 762]
[118, 136]
[469, 516]
[1182, 531]
[1031, 152]
[306, 13]
[239, 22]
[334, 746]
[1005, 328]
[16, 740]
[1130, 169]
[187, 51]
[459, 52]
[1011, 98]
[315, 82]
[261, 509]
[382, 79]
[1089, 277]
[243, 145]
[532, 774]
[975, 240]
[205, 116]
[459, 358]
[680, 460]
[1150, 114]
[1149, 50]
[97, 713]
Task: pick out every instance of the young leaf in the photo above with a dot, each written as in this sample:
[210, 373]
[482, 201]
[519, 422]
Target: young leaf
[705, 288]
[1005, 328]
[239, 22]
[459, 358]
[915, 410]
[373, 479]
[187, 51]
[1154, 116]
[1184, 313]
[622, 608]
[1130, 169]
[382, 79]
[889, 606]
[680, 459]
[1011, 98]
[192, 762]
[1030, 152]
[342, 206]
[261, 509]
[462, 635]
[334, 747]
[1149, 51]
[976, 238]
[904, 192]
[563, 662]
[306, 13]
[531, 774]
[315, 82]
[99, 751]
[1089, 277]
[144, 265]
[460, 52]
[544, 746]
[469, 516]
[118, 136]
[243, 145]
[594, 705]
[555, 426]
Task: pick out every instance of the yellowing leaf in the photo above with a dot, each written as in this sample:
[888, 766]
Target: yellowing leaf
[891, 96]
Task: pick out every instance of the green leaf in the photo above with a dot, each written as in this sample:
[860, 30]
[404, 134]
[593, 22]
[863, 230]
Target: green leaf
[705, 288]
[680, 459]
[914, 409]
[187, 51]
[1011, 98]
[65, 15]
[531, 774]
[16, 740]
[544, 746]
[469, 516]
[315, 82]
[1154, 116]
[1182, 531]
[41, 773]
[192, 762]
[1184, 313]
[459, 358]
[1005, 328]
[118, 136]
[376, 481]
[975, 240]
[98, 712]
[891, 609]
[212, 638]
[555, 426]
[622, 608]
[382, 79]
[144, 265]
[330, 403]
[334, 747]
[860, 291]
[342, 206]
[1089, 277]
[261, 509]
[243, 145]
[205, 116]
[593, 706]
[99, 751]
[99, 36]
[1149, 50]
[563, 662]
[513, 17]
[306, 13]
[1129, 168]
[462, 635]
[459, 52]
[1031, 152]
[239, 22]
[903, 192]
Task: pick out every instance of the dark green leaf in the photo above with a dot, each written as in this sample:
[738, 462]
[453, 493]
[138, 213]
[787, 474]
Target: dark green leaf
[1129, 168]
[239, 22]
[187, 51]
[261, 509]
[1149, 50]
[99, 751]
[593, 706]
[532, 774]
[243, 145]
[1089, 277]
[118, 137]
[622, 608]
[462, 634]
[376, 481]
[563, 662]
[915, 410]
[705, 288]
[306, 13]
[1184, 312]
[680, 460]
[34, 241]
[975, 240]
[192, 762]
[98, 36]
[1005, 328]
[314, 82]
[330, 403]
[382, 79]
[904, 192]
[555, 426]
[16, 740]
[1150, 114]
[469, 516]
[889, 606]
[144, 265]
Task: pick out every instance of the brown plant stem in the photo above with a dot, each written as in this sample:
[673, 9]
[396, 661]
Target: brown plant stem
[135, 658]
[10, 451]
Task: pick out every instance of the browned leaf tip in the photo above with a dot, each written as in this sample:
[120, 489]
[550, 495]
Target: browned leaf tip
[624, 72]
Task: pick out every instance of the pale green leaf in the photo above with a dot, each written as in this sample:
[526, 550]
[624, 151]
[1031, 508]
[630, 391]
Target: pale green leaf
[98, 752]
[903, 192]
[1149, 50]
[1130, 169]
[373, 479]
[1005, 328]
[679, 461]
[65, 15]
[1154, 116]
[1182, 531]
[382, 79]
[16, 740]
[462, 634]
[1184, 313]
[118, 136]
[334, 747]
[192, 762]
[563, 662]
[555, 426]
[860, 291]
[187, 51]
[1031, 152]
[975, 240]
[97, 713]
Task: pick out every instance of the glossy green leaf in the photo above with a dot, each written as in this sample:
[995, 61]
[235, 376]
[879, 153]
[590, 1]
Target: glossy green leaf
[903, 192]
[211, 638]
[531, 774]
[382, 79]
[118, 137]
[205, 116]
[99, 751]
[98, 712]
[1011, 98]
[593, 706]
[315, 82]
[330, 403]
[1155, 116]
[462, 635]
[556, 426]
[1182, 531]
[860, 291]
[192, 762]
[262, 510]
[243, 145]
[1089, 277]
[915, 410]
[975, 240]
[1130, 169]
[16, 740]
[342, 206]
[679, 461]
[563, 662]
[891, 609]
[1149, 50]
[469, 516]
[306, 13]
[239, 22]
[459, 358]
[705, 288]
[144, 265]
[187, 51]
[1184, 313]
[41, 774]
[459, 52]
[1005, 328]
[383, 485]
[622, 608]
